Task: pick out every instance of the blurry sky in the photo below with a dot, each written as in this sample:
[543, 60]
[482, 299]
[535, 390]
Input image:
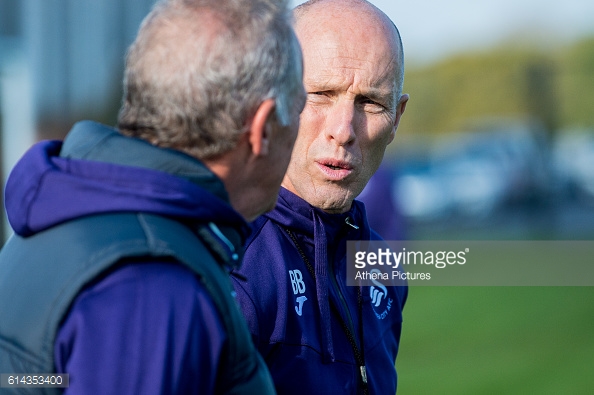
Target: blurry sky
[432, 29]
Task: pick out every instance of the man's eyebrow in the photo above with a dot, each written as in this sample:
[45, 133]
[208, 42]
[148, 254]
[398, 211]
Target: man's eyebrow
[322, 84]
[378, 94]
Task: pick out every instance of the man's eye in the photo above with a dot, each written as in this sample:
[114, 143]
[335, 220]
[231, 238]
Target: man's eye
[367, 100]
[371, 105]
[317, 97]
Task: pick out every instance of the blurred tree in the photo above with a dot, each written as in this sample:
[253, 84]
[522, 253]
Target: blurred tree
[555, 88]
[541, 96]
[577, 84]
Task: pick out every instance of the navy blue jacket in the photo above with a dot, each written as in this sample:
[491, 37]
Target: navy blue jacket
[299, 323]
[148, 326]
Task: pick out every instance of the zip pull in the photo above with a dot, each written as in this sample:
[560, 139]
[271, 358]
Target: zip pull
[348, 222]
[215, 229]
[363, 374]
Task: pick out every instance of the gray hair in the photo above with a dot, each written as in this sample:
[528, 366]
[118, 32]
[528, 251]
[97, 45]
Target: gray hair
[199, 69]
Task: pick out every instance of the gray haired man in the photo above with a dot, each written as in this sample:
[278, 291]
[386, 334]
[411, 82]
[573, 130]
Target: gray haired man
[118, 271]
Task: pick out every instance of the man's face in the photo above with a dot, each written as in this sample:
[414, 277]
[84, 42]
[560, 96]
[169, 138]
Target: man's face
[351, 112]
[256, 182]
[277, 161]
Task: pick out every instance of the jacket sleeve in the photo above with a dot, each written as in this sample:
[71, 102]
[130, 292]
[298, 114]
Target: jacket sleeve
[145, 328]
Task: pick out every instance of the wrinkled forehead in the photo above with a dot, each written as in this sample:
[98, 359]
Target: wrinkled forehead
[355, 47]
[355, 20]
[358, 33]
[332, 62]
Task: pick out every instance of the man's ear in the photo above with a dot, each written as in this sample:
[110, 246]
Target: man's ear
[259, 129]
[401, 106]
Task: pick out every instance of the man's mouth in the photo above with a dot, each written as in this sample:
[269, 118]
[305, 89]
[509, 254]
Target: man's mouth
[335, 164]
[335, 170]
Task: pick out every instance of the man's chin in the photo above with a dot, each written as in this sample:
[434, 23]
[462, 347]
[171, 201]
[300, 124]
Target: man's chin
[333, 200]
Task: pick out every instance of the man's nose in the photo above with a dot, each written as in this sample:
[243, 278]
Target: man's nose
[340, 122]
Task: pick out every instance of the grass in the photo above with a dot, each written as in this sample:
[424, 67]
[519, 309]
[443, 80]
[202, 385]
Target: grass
[497, 340]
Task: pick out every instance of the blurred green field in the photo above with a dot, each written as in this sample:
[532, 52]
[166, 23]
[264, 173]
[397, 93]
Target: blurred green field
[497, 340]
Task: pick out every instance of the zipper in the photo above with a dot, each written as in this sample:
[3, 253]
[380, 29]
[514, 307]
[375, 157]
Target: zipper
[337, 288]
[358, 353]
[215, 229]
[341, 299]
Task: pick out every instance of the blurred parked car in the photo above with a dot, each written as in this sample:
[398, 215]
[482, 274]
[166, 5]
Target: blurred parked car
[573, 160]
[473, 174]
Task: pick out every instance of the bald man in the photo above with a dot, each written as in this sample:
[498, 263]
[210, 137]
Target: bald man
[316, 334]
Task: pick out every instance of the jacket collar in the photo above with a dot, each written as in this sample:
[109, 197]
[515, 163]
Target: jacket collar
[324, 231]
[295, 213]
[90, 140]
[97, 170]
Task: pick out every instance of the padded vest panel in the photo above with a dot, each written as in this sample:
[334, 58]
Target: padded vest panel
[41, 275]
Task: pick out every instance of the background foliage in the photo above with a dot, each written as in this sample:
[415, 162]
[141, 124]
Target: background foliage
[460, 92]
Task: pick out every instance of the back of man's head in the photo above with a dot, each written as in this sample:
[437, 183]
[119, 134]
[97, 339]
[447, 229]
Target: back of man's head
[199, 69]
